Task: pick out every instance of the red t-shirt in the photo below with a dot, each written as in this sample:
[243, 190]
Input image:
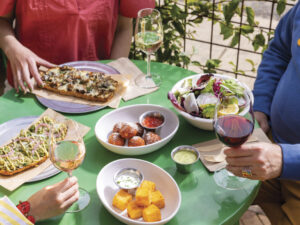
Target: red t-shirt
[69, 30]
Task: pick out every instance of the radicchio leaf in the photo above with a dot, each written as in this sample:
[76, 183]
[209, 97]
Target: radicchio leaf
[217, 87]
[174, 101]
[197, 114]
[182, 102]
[202, 81]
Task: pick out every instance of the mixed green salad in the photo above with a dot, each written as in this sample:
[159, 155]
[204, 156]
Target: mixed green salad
[199, 95]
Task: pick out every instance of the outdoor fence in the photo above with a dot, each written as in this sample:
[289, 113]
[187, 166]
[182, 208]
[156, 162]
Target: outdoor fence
[222, 36]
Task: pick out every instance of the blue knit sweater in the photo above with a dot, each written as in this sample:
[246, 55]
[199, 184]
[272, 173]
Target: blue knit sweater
[277, 90]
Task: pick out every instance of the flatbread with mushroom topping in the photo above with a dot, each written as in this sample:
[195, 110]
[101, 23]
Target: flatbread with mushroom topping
[65, 80]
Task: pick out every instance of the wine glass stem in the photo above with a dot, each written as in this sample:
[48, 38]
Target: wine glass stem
[70, 173]
[148, 66]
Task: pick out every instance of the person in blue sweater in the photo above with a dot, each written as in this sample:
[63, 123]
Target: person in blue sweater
[277, 109]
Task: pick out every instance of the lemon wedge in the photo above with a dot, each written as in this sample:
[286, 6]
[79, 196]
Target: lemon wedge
[228, 109]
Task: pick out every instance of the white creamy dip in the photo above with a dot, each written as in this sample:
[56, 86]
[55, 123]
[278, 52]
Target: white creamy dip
[128, 180]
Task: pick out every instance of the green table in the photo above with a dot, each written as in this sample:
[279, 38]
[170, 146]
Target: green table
[203, 202]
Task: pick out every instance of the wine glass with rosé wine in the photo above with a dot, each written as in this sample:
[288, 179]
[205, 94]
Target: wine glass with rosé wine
[232, 129]
[148, 38]
[67, 155]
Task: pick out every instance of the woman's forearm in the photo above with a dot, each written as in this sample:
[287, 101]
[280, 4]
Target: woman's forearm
[7, 36]
[23, 62]
[122, 40]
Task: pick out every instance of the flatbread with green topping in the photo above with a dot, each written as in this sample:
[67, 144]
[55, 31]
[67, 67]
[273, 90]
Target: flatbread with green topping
[31, 147]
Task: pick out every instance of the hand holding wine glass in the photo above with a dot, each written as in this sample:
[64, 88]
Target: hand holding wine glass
[233, 128]
[148, 38]
[264, 159]
[67, 155]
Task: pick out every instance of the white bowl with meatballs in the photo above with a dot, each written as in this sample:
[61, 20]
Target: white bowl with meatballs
[120, 132]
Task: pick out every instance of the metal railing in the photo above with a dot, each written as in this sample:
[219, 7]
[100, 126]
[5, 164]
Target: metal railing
[239, 49]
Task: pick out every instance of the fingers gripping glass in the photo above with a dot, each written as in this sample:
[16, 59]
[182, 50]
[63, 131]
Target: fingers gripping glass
[233, 125]
[148, 38]
[67, 155]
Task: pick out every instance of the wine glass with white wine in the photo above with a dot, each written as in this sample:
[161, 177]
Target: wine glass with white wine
[67, 155]
[148, 38]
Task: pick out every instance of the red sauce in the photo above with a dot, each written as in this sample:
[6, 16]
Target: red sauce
[152, 121]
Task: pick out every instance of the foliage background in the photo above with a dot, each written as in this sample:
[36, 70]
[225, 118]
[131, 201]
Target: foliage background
[235, 20]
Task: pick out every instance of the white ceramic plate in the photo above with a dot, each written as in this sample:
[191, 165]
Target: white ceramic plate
[106, 189]
[132, 113]
[203, 123]
[11, 128]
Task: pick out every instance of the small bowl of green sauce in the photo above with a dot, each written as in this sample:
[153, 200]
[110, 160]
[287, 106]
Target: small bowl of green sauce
[185, 157]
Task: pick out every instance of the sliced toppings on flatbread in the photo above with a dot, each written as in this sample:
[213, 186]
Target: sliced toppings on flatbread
[65, 80]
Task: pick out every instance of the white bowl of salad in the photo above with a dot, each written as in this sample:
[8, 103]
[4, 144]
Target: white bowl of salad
[195, 97]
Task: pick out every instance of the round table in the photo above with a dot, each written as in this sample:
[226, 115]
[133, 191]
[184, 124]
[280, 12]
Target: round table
[203, 202]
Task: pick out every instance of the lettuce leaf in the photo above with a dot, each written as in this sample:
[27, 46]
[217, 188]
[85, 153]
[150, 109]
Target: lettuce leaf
[233, 87]
[208, 111]
[209, 86]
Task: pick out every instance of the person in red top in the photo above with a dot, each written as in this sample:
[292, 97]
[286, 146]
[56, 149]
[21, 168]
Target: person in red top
[59, 31]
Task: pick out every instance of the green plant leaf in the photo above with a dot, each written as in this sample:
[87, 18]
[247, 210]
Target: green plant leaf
[196, 63]
[253, 69]
[259, 41]
[280, 6]
[232, 63]
[241, 72]
[250, 16]
[235, 40]
[229, 10]
[211, 64]
[198, 20]
[179, 27]
[250, 61]
[226, 30]
[246, 29]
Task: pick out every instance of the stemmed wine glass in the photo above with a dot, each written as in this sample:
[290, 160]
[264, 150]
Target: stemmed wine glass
[233, 125]
[67, 155]
[148, 38]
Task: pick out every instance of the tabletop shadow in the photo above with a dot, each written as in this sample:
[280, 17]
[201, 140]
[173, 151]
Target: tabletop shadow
[53, 220]
[16, 97]
[97, 156]
[185, 181]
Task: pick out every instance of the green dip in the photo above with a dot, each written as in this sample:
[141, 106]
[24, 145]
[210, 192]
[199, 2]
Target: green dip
[184, 156]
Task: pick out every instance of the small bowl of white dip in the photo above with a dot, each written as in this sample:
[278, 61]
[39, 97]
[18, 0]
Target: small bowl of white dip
[128, 178]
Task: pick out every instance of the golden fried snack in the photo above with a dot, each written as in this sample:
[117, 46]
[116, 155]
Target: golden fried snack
[128, 130]
[143, 196]
[151, 213]
[136, 141]
[116, 139]
[151, 137]
[148, 184]
[117, 127]
[121, 199]
[134, 211]
[157, 199]
[140, 130]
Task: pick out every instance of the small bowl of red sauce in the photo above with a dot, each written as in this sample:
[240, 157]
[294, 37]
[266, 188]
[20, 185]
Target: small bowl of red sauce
[152, 120]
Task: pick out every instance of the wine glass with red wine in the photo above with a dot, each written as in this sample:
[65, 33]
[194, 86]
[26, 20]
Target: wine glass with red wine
[233, 125]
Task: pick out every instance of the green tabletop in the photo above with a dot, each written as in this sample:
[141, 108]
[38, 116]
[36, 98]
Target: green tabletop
[203, 202]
